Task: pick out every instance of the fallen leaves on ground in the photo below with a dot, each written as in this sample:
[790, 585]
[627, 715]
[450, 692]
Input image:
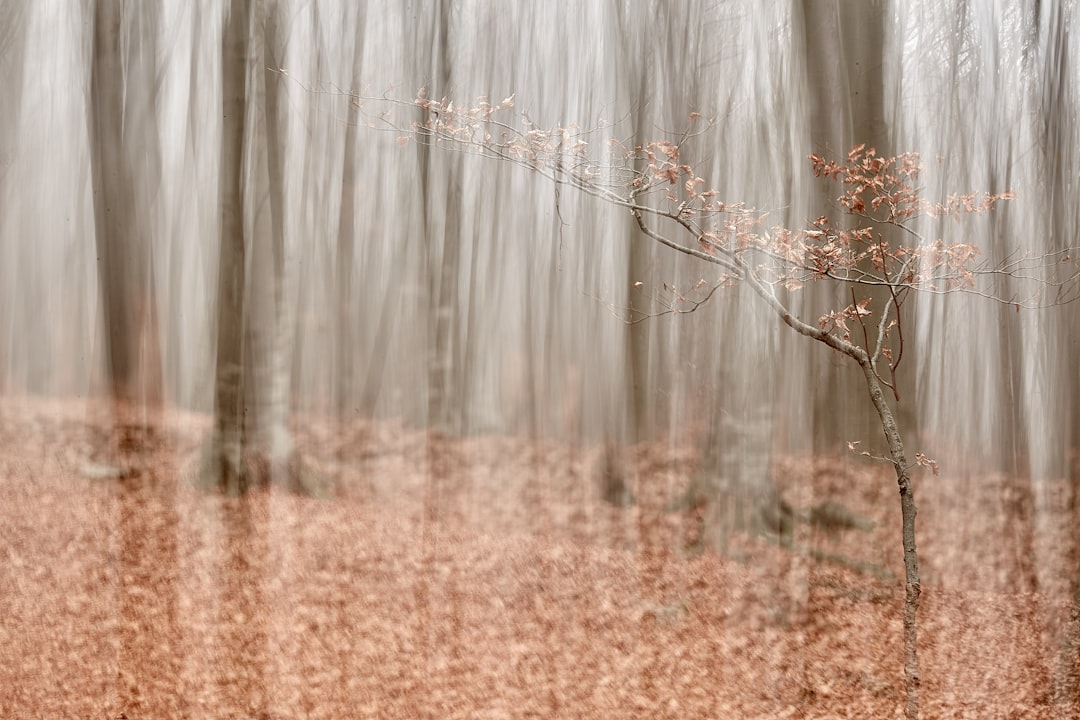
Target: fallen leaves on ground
[486, 578]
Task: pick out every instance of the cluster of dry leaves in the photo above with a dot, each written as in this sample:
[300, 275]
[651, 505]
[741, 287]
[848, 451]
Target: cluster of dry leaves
[485, 578]
[652, 180]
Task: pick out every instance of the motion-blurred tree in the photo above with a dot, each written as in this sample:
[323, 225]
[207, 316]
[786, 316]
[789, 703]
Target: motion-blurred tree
[126, 173]
[252, 443]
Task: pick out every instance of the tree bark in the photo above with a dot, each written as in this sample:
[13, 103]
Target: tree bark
[912, 586]
[125, 172]
[227, 449]
[898, 456]
[252, 443]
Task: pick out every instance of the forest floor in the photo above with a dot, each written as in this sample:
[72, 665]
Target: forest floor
[486, 578]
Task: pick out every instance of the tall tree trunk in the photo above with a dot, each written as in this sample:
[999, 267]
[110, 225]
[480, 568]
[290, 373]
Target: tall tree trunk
[227, 451]
[273, 280]
[440, 192]
[257, 274]
[845, 90]
[126, 174]
[241, 668]
[13, 30]
[347, 316]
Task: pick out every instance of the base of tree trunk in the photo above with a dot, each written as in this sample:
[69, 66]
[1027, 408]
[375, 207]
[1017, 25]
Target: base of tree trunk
[257, 469]
[612, 478]
[722, 511]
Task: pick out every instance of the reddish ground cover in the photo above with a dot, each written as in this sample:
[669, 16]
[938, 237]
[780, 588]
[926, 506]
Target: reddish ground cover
[485, 578]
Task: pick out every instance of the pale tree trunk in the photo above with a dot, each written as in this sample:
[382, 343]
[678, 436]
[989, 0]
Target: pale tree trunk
[631, 415]
[1059, 150]
[347, 316]
[845, 86]
[226, 461]
[735, 477]
[733, 481]
[257, 274]
[13, 30]
[442, 201]
[274, 272]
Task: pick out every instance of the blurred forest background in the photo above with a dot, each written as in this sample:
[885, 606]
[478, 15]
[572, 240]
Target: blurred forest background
[202, 209]
[195, 211]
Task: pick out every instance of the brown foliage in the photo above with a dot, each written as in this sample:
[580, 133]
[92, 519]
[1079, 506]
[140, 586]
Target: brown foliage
[485, 578]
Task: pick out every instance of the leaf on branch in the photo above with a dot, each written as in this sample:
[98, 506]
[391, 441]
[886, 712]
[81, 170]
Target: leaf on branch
[691, 186]
[922, 461]
[669, 149]
[851, 446]
[834, 321]
[666, 172]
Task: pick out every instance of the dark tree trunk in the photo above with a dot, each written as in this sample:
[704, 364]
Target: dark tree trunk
[227, 451]
[125, 177]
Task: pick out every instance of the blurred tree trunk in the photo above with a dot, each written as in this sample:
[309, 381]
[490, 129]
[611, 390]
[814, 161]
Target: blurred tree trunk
[733, 482]
[238, 459]
[347, 317]
[13, 30]
[440, 185]
[229, 440]
[1058, 148]
[843, 41]
[126, 174]
[252, 443]
[274, 273]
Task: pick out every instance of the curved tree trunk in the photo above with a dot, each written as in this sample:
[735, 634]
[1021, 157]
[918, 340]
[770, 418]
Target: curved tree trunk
[898, 456]
[912, 585]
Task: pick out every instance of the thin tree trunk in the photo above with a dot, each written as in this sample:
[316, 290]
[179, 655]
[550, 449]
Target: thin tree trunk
[347, 316]
[912, 586]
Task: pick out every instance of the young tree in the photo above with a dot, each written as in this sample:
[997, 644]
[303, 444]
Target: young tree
[664, 194]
